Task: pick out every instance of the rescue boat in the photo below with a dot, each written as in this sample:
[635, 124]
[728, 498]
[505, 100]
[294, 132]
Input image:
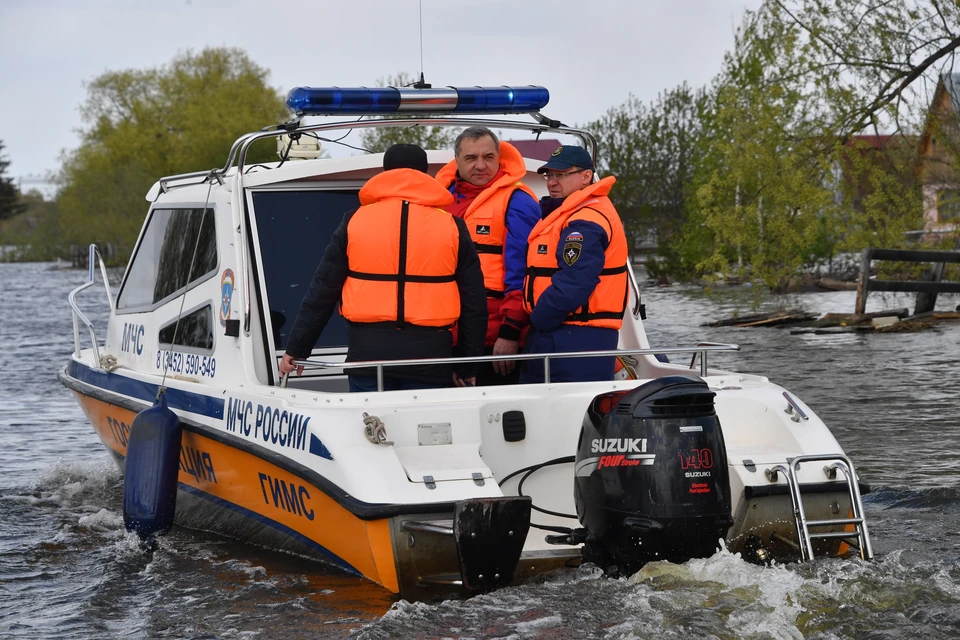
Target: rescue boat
[436, 491]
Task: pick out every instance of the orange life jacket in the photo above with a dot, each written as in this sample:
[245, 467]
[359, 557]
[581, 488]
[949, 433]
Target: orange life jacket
[608, 301]
[402, 253]
[486, 215]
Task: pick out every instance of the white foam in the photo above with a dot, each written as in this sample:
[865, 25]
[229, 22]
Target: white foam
[403, 608]
[102, 521]
[945, 583]
[528, 626]
[767, 597]
[72, 483]
[253, 573]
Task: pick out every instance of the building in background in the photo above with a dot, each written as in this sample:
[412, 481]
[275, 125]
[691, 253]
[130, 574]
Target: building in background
[939, 152]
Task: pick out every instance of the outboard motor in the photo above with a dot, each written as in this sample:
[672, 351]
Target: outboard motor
[651, 475]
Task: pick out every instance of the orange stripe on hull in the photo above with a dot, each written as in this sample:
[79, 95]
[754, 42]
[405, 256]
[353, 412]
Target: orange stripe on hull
[249, 482]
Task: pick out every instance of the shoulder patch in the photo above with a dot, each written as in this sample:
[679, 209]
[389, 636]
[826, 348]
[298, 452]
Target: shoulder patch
[571, 252]
[574, 236]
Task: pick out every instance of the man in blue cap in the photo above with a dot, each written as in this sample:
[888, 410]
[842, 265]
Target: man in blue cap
[576, 284]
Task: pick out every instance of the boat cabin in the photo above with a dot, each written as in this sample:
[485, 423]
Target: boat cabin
[242, 244]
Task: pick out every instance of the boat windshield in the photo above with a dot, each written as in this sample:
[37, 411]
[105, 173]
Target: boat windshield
[294, 228]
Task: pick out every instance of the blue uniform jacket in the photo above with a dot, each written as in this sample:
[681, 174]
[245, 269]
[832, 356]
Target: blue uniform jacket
[572, 285]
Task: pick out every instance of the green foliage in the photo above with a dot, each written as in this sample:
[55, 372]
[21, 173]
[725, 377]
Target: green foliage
[36, 233]
[652, 152]
[379, 140]
[761, 187]
[883, 192]
[10, 204]
[142, 125]
[768, 172]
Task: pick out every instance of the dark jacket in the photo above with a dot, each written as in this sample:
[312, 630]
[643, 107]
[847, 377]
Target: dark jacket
[387, 340]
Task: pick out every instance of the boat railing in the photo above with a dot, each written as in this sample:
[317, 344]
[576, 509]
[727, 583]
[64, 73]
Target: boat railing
[702, 349]
[238, 152]
[78, 316]
[696, 354]
[542, 125]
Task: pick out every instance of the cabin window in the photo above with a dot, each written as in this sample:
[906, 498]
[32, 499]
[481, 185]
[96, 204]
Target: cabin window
[948, 205]
[195, 330]
[294, 228]
[164, 263]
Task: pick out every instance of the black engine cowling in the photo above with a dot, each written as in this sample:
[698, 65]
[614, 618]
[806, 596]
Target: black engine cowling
[651, 474]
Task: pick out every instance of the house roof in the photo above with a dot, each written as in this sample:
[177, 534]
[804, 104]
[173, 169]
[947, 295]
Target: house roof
[536, 149]
[876, 142]
[951, 83]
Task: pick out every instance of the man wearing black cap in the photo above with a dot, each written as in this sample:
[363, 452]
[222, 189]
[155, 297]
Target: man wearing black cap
[403, 272]
[576, 284]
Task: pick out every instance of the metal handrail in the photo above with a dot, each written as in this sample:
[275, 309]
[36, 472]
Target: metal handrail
[546, 357]
[238, 151]
[693, 359]
[636, 291]
[78, 315]
[242, 144]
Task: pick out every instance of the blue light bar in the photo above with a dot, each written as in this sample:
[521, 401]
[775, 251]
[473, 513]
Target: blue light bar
[326, 101]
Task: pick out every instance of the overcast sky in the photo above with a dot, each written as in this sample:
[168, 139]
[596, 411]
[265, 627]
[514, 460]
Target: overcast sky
[590, 55]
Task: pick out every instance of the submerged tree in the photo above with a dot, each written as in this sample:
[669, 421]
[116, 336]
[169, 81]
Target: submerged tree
[761, 184]
[651, 149]
[802, 147]
[35, 233]
[10, 204]
[788, 176]
[141, 125]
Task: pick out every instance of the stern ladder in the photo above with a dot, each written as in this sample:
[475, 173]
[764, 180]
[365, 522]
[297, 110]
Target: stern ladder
[837, 462]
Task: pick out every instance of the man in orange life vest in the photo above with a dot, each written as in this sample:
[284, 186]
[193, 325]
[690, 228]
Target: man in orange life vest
[576, 285]
[499, 211]
[404, 272]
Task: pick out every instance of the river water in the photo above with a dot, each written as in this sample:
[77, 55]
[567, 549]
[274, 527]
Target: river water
[69, 570]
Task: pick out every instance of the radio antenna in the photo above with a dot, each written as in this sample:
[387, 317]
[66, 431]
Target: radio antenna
[421, 83]
[420, 5]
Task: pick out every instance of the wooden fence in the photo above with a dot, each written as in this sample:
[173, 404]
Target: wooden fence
[926, 289]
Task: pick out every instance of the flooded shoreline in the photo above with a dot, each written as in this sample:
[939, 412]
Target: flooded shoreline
[69, 570]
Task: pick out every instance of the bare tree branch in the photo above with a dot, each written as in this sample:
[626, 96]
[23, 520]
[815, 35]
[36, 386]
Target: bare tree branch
[885, 97]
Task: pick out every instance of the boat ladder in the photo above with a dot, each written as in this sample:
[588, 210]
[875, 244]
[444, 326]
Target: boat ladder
[836, 462]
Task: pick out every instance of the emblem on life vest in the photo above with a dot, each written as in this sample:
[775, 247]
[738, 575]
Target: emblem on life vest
[542, 249]
[226, 295]
[557, 152]
[483, 229]
[571, 252]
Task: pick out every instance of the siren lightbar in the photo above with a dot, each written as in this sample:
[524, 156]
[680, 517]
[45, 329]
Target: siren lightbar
[326, 101]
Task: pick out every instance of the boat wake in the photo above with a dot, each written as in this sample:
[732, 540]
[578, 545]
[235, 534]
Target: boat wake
[902, 498]
[719, 596]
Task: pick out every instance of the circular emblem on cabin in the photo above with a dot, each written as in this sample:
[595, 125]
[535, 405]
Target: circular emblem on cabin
[226, 295]
[557, 152]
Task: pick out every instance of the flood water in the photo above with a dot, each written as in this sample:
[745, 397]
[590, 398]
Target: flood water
[69, 570]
